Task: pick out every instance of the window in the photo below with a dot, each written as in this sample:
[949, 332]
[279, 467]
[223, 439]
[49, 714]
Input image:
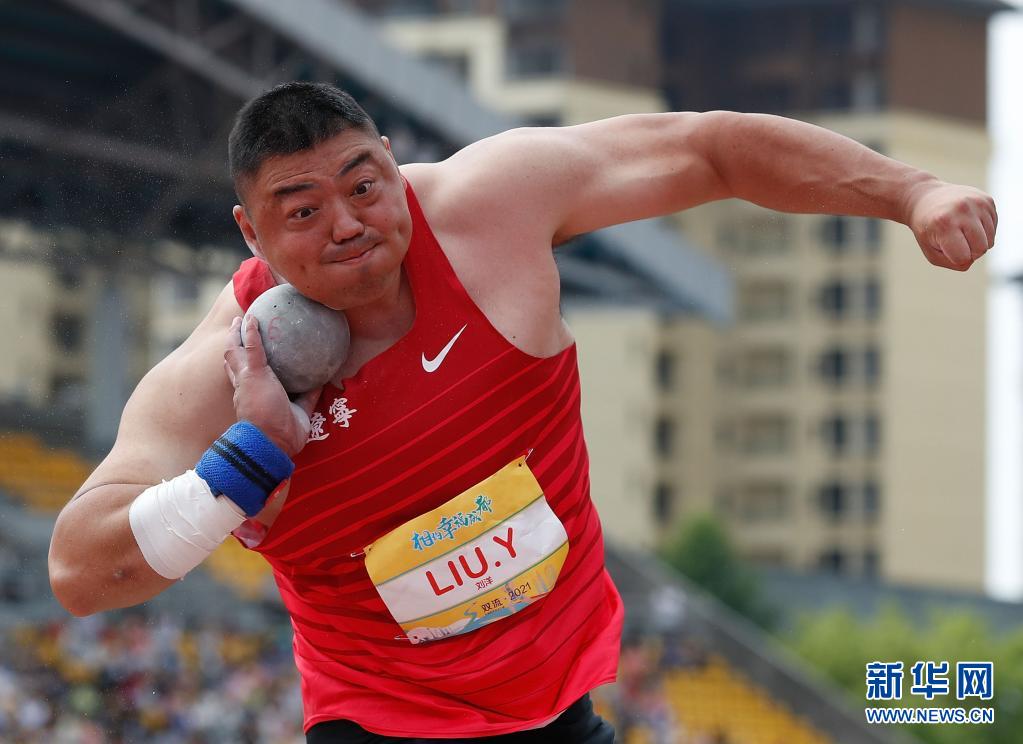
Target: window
[874, 228]
[765, 301]
[872, 298]
[834, 299]
[767, 367]
[764, 502]
[664, 436]
[833, 500]
[840, 234]
[832, 561]
[871, 433]
[835, 233]
[871, 500]
[666, 370]
[833, 366]
[765, 435]
[835, 433]
[67, 331]
[664, 503]
[871, 365]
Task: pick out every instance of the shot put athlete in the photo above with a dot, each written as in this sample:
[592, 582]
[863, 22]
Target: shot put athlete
[427, 513]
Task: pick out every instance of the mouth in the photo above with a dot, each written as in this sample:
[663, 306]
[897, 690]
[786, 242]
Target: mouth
[358, 257]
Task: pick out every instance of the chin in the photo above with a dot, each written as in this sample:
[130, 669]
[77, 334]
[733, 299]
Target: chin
[355, 295]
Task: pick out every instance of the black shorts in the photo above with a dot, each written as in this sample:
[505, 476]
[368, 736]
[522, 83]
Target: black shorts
[577, 725]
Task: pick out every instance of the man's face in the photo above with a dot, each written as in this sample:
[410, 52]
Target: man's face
[332, 220]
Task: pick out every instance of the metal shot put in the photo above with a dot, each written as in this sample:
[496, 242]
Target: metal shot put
[305, 342]
[452, 432]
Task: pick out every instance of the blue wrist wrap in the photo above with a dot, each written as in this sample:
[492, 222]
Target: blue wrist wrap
[245, 466]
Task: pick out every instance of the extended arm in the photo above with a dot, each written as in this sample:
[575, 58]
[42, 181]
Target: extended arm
[593, 175]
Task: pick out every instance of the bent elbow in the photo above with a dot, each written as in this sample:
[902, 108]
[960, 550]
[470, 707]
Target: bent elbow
[67, 587]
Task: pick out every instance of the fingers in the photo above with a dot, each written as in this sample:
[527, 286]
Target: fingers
[990, 224]
[977, 239]
[244, 348]
[255, 355]
[954, 248]
[989, 217]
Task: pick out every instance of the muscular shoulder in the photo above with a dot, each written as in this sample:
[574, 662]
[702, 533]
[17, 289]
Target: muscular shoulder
[507, 180]
[576, 179]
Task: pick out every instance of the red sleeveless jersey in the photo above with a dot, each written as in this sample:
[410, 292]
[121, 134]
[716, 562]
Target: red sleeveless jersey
[398, 441]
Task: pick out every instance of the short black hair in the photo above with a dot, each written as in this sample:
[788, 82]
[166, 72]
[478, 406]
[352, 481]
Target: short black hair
[288, 118]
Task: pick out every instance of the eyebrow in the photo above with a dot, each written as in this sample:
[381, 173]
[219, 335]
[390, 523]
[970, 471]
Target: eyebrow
[291, 189]
[347, 168]
[354, 163]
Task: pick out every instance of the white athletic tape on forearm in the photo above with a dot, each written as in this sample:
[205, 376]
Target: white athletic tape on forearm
[177, 523]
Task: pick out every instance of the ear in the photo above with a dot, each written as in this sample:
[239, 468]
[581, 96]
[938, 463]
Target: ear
[248, 231]
[387, 146]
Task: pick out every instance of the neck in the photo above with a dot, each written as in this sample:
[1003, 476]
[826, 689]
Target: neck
[387, 318]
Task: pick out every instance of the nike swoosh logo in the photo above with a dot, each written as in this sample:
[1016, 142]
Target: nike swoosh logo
[431, 365]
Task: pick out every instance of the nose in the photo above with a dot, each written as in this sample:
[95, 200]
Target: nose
[345, 225]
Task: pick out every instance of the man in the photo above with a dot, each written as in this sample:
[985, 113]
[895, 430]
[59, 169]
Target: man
[450, 441]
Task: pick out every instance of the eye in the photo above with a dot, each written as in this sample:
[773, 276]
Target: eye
[362, 188]
[303, 213]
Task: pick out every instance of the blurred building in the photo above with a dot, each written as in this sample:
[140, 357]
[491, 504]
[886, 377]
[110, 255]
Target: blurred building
[840, 424]
[544, 61]
[48, 313]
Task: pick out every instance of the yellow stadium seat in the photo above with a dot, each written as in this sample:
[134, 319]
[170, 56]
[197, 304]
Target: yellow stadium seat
[717, 699]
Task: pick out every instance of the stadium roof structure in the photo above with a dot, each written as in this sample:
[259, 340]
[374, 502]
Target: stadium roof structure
[114, 117]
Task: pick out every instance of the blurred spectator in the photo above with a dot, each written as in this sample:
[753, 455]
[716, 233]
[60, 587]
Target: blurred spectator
[107, 679]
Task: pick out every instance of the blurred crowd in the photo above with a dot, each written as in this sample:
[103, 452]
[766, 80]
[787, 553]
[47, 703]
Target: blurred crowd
[113, 679]
[108, 680]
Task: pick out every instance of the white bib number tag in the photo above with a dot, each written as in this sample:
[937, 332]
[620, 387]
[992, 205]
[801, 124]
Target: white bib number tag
[482, 556]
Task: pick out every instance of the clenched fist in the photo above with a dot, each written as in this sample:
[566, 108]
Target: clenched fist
[954, 225]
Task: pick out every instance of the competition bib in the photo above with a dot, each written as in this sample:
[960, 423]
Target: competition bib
[484, 555]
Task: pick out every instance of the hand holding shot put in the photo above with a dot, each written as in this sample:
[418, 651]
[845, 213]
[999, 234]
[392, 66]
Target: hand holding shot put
[259, 396]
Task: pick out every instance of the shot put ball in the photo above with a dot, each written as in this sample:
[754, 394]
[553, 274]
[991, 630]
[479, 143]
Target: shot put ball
[305, 342]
